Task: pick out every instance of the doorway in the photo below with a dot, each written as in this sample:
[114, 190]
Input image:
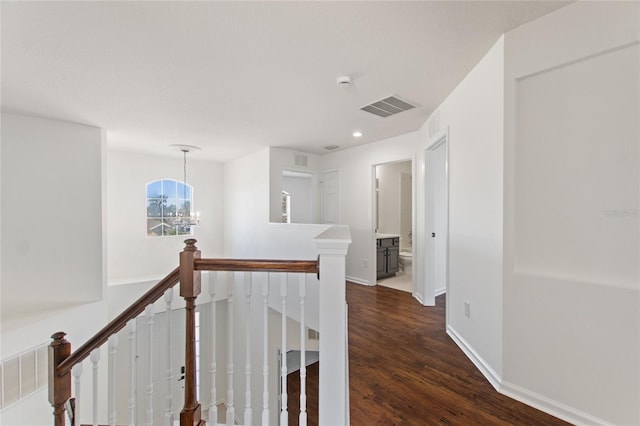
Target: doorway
[393, 224]
[436, 219]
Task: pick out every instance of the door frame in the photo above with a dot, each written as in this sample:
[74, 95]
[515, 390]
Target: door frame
[321, 215]
[373, 280]
[435, 142]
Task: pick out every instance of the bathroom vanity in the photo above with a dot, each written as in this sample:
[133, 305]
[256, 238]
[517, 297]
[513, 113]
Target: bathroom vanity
[388, 250]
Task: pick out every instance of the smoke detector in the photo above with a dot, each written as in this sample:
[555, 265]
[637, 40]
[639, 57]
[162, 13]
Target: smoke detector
[343, 80]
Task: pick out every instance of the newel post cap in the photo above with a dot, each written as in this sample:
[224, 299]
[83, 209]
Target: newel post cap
[58, 338]
[190, 244]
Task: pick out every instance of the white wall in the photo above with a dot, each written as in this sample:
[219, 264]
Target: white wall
[132, 255]
[52, 247]
[51, 214]
[572, 189]
[356, 167]
[300, 192]
[406, 209]
[281, 159]
[473, 114]
[389, 196]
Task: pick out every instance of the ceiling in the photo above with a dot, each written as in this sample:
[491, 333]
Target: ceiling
[233, 77]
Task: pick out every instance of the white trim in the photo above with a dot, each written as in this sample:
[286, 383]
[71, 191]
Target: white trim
[533, 399]
[418, 297]
[436, 141]
[373, 217]
[440, 291]
[550, 406]
[320, 227]
[358, 280]
[151, 279]
[486, 370]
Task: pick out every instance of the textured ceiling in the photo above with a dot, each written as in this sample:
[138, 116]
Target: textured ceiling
[233, 77]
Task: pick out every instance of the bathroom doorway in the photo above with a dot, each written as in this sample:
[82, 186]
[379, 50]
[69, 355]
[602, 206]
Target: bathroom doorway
[393, 224]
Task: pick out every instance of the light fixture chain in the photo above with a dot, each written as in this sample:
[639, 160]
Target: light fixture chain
[184, 188]
[185, 220]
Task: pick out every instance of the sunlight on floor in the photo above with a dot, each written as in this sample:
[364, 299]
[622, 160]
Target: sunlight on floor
[401, 281]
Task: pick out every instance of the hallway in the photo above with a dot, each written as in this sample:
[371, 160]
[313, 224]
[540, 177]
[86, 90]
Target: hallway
[405, 369]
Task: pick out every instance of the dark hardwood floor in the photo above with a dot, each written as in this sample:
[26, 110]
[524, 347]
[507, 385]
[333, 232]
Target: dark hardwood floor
[293, 389]
[405, 369]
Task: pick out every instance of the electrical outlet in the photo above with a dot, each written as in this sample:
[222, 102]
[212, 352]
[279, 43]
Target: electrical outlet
[365, 263]
[467, 309]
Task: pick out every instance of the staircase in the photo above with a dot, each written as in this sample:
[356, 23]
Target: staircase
[152, 374]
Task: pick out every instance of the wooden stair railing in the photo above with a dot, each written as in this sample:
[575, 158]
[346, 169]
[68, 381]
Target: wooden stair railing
[188, 274]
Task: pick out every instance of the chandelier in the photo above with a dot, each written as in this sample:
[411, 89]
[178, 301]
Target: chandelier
[184, 217]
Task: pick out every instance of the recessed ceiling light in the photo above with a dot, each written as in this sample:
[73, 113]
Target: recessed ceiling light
[343, 80]
[357, 134]
[331, 147]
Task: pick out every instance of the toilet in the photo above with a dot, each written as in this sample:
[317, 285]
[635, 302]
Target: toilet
[406, 258]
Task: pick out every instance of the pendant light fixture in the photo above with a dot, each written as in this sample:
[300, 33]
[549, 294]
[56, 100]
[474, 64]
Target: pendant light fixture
[185, 218]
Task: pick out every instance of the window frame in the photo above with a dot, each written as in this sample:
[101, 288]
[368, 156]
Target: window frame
[163, 197]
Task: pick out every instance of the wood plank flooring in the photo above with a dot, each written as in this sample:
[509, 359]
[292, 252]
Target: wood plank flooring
[312, 387]
[405, 370]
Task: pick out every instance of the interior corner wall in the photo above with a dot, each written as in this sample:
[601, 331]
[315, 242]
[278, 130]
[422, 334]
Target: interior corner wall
[51, 214]
[281, 159]
[355, 166]
[473, 114]
[572, 228]
[52, 244]
[132, 255]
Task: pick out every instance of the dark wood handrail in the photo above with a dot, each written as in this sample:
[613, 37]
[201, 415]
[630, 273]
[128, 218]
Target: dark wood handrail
[61, 360]
[305, 266]
[119, 322]
[241, 265]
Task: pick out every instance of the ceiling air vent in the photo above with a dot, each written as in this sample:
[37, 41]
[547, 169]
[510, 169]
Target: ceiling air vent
[388, 106]
[300, 160]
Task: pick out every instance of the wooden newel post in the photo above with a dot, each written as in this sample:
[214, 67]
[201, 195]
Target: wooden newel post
[190, 289]
[59, 385]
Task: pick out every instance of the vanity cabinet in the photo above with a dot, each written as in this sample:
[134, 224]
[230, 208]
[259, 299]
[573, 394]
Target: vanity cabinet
[387, 261]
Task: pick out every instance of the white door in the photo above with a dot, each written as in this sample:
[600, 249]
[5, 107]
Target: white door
[436, 220]
[329, 184]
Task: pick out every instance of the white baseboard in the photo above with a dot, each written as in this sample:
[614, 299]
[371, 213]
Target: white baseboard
[523, 395]
[488, 372]
[550, 406]
[440, 291]
[418, 297]
[358, 280]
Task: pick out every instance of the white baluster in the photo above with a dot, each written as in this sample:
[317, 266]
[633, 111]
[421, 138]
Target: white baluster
[168, 415]
[230, 410]
[132, 371]
[248, 411]
[149, 312]
[76, 372]
[265, 351]
[213, 408]
[284, 414]
[303, 355]
[111, 398]
[95, 358]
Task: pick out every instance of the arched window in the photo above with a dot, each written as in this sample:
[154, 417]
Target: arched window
[168, 201]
